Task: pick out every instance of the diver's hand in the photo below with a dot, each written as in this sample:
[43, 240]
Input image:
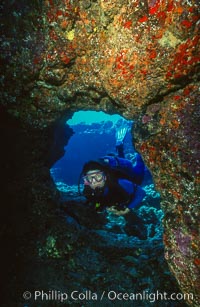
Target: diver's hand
[118, 212]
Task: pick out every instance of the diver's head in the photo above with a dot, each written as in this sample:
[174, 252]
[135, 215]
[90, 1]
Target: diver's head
[94, 178]
[95, 174]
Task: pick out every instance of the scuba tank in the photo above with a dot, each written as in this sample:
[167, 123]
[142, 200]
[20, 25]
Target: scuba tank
[124, 169]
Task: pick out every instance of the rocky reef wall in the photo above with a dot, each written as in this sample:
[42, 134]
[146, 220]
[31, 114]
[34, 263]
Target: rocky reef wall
[136, 58]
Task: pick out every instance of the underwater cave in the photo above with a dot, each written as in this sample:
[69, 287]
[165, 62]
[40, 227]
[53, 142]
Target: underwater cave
[137, 59]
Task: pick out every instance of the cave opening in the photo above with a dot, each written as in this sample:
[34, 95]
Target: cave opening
[90, 128]
[94, 136]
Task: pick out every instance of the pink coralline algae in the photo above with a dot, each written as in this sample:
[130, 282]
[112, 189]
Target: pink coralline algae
[183, 242]
[146, 118]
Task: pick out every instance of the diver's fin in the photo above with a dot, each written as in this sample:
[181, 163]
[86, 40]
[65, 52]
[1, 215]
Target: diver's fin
[120, 134]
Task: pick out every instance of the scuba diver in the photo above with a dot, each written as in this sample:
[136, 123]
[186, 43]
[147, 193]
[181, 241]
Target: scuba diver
[112, 182]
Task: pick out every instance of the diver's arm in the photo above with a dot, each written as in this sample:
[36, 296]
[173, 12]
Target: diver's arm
[123, 209]
[135, 191]
[139, 195]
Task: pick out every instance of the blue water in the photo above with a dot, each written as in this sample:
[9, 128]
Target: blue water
[89, 117]
[89, 142]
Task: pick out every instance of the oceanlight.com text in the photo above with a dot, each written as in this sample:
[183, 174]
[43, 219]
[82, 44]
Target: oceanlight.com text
[55, 295]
